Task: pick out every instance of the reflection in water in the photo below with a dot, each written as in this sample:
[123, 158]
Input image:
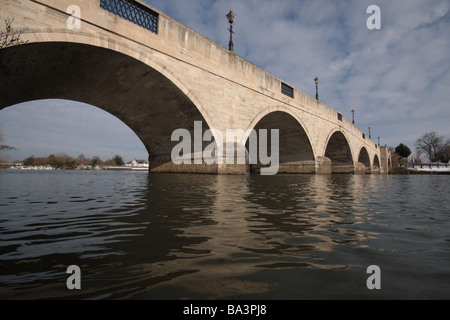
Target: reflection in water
[140, 236]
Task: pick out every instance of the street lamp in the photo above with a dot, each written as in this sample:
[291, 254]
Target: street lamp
[370, 135]
[353, 115]
[316, 81]
[231, 17]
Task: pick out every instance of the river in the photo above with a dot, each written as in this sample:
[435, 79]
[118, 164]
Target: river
[136, 235]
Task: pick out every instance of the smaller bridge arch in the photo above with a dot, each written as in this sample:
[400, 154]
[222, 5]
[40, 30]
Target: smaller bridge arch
[296, 154]
[376, 167]
[376, 161]
[339, 152]
[363, 161]
[364, 157]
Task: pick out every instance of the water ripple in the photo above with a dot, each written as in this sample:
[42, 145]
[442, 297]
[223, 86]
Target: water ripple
[193, 236]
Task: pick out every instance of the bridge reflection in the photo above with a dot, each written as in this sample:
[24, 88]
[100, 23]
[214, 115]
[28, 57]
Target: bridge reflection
[222, 234]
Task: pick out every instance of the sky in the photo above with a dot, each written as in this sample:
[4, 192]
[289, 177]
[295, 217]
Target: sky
[397, 78]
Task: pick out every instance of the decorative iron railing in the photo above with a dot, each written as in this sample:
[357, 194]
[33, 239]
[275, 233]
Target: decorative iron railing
[133, 12]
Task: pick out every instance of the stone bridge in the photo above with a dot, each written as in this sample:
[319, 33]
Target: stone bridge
[157, 75]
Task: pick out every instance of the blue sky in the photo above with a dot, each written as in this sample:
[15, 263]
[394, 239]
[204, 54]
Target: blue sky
[397, 79]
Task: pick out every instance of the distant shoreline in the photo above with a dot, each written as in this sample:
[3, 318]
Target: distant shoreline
[402, 170]
[75, 169]
[394, 171]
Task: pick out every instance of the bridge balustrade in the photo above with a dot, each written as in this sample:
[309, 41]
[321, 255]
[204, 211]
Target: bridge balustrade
[133, 12]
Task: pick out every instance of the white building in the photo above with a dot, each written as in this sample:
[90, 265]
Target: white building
[138, 164]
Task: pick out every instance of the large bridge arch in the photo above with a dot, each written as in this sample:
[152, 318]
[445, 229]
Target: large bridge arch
[70, 70]
[338, 150]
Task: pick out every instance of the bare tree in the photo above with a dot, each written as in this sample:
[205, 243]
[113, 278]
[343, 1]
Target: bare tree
[2, 146]
[444, 154]
[8, 37]
[81, 159]
[431, 144]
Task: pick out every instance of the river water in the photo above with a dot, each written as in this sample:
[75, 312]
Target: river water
[136, 235]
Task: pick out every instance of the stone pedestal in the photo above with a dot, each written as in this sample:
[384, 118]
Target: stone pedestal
[360, 168]
[323, 166]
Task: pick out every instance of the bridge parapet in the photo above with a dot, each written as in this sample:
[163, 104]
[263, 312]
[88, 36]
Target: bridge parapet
[173, 39]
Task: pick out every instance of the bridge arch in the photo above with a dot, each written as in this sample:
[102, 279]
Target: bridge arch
[363, 164]
[376, 167]
[339, 152]
[364, 157]
[376, 161]
[70, 70]
[296, 154]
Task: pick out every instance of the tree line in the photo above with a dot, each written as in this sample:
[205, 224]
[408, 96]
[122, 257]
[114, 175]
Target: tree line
[66, 162]
[431, 144]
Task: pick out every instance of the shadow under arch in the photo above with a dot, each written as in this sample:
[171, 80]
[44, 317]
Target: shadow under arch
[376, 161]
[296, 154]
[376, 164]
[339, 152]
[364, 157]
[147, 101]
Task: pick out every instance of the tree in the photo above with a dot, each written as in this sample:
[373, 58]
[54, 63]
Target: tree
[70, 164]
[118, 160]
[29, 161]
[403, 151]
[431, 144]
[81, 159]
[4, 147]
[96, 161]
[51, 160]
[444, 154]
[8, 37]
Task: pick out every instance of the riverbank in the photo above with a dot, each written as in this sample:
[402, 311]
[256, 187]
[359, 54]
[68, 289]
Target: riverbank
[49, 168]
[432, 171]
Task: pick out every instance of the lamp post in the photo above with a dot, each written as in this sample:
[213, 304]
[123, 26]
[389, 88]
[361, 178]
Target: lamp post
[231, 17]
[353, 116]
[316, 81]
[370, 135]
